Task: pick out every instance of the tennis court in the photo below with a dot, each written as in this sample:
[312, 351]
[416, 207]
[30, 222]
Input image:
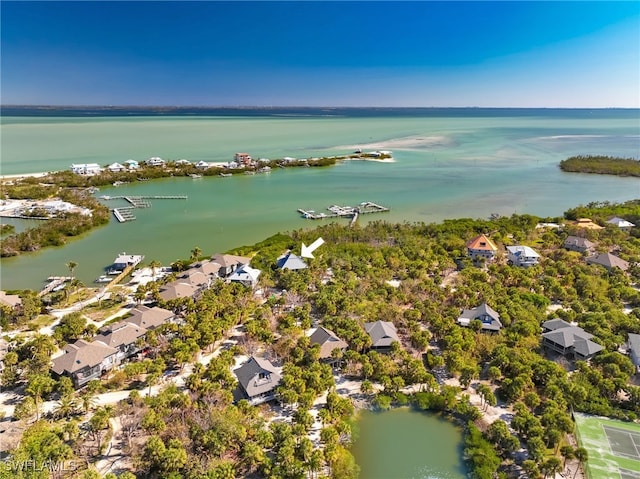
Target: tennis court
[613, 447]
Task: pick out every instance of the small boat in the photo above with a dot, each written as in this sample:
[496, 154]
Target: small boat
[102, 279]
[194, 176]
[225, 175]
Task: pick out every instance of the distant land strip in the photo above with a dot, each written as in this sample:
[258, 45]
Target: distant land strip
[603, 165]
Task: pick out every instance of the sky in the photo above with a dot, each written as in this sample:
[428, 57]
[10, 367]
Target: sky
[331, 53]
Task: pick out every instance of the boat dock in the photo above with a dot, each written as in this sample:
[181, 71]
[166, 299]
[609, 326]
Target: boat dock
[352, 212]
[124, 214]
[53, 283]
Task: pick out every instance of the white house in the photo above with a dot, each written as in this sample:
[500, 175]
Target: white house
[202, 165]
[132, 164]
[522, 256]
[86, 168]
[182, 161]
[116, 167]
[155, 161]
[621, 223]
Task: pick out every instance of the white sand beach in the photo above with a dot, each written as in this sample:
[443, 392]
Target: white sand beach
[406, 143]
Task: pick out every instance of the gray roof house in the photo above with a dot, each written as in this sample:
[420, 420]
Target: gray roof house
[609, 261]
[258, 379]
[122, 336]
[229, 263]
[177, 290]
[633, 343]
[84, 361]
[382, 334]
[621, 223]
[576, 243]
[290, 261]
[569, 340]
[523, 256]
[149, 318]
[245, 275]
[328, 341]
[489, 318]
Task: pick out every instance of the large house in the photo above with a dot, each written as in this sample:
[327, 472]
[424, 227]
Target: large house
[609, 261]
[569, 340]
[84, 361]
[481, 247]
[621, 223]
[116, 167]
[328, 342]
[258, 380]
[86, 168]
[177, 289]
[10, 300]
[523, 256]
[382, 333]
[123, 336]
[228, 263]
[155, 161]
[149, 318]
[489, 318]
[243, 159]
[579, 244]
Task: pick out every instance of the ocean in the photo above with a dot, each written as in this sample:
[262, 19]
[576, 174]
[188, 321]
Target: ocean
[449, 163]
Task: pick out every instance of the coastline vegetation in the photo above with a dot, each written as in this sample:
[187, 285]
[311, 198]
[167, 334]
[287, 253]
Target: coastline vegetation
[406, 274]
[603, 165]
[6, 229]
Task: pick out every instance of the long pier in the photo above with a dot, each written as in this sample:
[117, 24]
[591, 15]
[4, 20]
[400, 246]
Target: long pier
[335, 211]
[124, 214]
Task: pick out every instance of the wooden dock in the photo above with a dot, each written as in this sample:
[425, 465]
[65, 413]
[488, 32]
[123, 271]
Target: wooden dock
[335, 211]
[124, 214]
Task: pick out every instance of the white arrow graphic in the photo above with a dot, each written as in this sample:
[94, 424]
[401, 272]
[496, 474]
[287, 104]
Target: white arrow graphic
[308, 250]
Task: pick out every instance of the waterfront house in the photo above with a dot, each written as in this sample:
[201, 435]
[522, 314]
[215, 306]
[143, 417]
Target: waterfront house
[481, 247]
[196, 278]
[182, 161]
[245, 275]
[155, 161]
[116, 167]
[84, 361]
[258, 380]
[202, 165]
[290, 261]
[86, 168]
[149, 318]
[123, 260]
[208, 267]
[586, 223]
[243, 159]
[328, 342]
[13, 301]
[609, 261]
[581, 245]
[522, 256]
[177, 290]
[122, 336]
[489, 318]
[132, 164]
[569, 340]
[633, 343]
[621, 223]
[382, 334]
[229, 263]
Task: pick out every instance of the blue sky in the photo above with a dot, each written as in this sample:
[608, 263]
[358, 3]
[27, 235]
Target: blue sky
[502, 54]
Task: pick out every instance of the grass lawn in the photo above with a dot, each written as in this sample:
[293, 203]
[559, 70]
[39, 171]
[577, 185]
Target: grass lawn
[41, 321]
[613, 447]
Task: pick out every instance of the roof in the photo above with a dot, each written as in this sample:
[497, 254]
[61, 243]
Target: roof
[573, 337]
[556, 323]
[177, 290]
[290, 261]
[620, 222]
[481, 312]
[257, 376]
[483, 243]
[245, 274]
[115, 165]
[579, 242]
[327, 340]
[120, 334]
[195, 277]
[382, 333]
[226, 260]
[207, 267]
[12, 300]
[584, 347]
[124, 258]
[149, 318]
[524, 251]
[81, 354]
[587, 223]
[609, 261]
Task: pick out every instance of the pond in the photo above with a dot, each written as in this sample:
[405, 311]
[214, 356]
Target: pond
[407, 444]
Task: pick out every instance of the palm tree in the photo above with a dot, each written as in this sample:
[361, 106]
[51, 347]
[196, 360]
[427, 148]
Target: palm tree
[195, 253]
[582, 456]
[154, 265]
[71, 265]
[66, 406]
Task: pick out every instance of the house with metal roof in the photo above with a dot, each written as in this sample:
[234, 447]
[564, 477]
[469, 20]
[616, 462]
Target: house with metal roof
[245, 275]
[116, 167]
[621, 223]
[86, 168]
[609, 261]
[84, 361]
[382, 333]
[290, 261]
[522, 256]
[569, 340]
[481, 247]
[328, 342]
[579, 244]
[484, 313]
[258, 380]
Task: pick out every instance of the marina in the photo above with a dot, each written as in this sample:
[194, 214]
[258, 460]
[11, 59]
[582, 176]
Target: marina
[124, 214]
[336, 211]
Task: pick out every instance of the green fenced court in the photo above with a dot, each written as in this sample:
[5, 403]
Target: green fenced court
[613, 447]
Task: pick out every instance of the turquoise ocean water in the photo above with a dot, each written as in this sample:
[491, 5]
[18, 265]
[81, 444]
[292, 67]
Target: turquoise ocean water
[449, 163]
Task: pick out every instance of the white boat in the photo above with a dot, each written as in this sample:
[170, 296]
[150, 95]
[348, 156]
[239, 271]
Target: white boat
[194, 176]
[102, 279]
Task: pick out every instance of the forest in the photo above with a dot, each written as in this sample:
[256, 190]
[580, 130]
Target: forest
[416, 276]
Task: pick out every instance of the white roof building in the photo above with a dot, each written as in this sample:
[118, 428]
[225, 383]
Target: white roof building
[86, 168]
[620, 223]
